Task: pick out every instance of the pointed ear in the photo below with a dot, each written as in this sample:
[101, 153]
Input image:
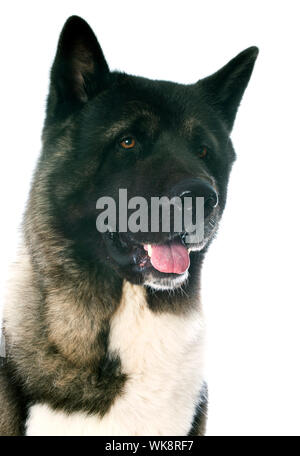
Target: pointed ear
[79, 70]
[226, 87]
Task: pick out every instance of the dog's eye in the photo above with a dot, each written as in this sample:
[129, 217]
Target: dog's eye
[128, 142]
[202, 151]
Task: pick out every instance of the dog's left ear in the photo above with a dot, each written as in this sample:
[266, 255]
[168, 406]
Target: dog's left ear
[226, 87]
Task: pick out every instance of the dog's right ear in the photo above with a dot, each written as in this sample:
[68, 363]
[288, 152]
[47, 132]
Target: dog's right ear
[79, 70]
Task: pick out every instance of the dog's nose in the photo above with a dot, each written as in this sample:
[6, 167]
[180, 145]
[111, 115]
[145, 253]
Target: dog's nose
[197, 187]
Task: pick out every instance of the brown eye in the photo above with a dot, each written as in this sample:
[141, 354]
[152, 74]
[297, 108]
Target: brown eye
[128, 143]
[202, 152]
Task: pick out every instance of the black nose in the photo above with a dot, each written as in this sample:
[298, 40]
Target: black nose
[197, 187]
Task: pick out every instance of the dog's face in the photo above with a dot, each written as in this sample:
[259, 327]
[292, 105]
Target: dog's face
[109, 131]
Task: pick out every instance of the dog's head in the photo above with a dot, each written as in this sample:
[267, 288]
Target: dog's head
[108, 131]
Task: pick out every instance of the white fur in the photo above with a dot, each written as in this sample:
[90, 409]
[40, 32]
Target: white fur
[167, 284]
[162, 354]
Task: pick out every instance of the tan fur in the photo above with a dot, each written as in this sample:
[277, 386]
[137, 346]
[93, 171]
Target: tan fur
[162, 356]
[10, 423]
[73, 328]
[54, 346]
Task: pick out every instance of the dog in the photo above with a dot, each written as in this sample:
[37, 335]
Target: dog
[104, 331]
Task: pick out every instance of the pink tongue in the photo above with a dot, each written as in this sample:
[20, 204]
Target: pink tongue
[170, 258]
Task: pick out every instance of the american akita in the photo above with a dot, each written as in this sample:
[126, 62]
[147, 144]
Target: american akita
[104, 332]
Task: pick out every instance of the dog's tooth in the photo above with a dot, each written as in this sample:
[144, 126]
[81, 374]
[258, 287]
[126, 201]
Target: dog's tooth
[189, 250]
[149, 250]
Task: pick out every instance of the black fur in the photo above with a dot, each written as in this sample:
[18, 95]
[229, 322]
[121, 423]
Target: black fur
[75, 274]
[199, 423]
[170, 121]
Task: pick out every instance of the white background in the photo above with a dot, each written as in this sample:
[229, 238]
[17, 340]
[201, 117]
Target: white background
[251, 274]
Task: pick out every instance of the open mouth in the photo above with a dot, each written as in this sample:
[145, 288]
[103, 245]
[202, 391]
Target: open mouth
[169, 258]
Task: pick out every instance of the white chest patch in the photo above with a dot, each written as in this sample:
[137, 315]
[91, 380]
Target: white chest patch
[162, 354]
